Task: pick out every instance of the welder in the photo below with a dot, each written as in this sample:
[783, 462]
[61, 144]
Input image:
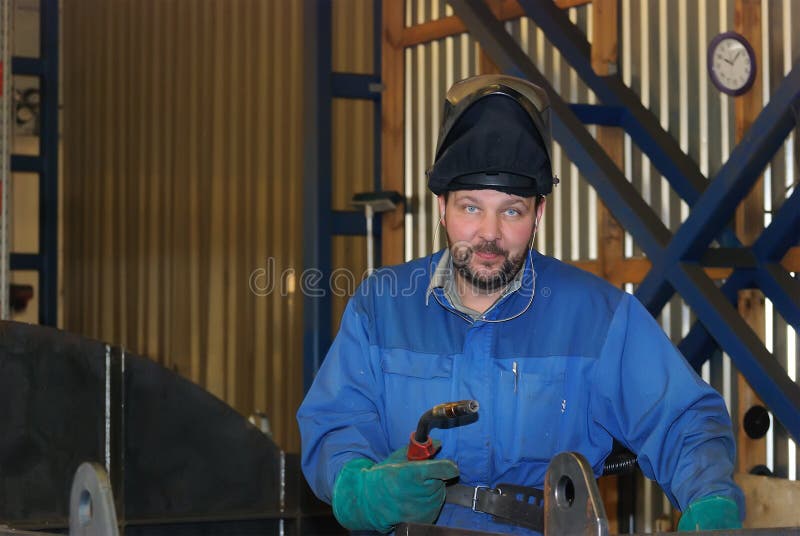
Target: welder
[559, 359]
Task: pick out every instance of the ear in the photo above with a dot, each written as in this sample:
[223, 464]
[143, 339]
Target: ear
[442, 206]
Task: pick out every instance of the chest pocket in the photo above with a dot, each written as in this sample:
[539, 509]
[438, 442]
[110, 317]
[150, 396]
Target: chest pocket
[534, 400]
[414, 383]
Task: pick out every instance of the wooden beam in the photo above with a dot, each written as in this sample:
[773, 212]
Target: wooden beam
[604, 60]
[611, 237]
[449, 26]
[634, 269]
[749, 224]
[392, 150]
[791, 261]
[771, 502]
[588, 266]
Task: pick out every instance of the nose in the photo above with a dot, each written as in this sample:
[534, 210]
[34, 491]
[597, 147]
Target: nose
[489, 229]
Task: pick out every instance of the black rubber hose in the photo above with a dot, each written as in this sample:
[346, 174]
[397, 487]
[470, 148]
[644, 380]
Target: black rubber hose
[620, 463]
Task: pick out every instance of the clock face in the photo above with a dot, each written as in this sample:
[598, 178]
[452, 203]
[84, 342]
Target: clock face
[731, 63]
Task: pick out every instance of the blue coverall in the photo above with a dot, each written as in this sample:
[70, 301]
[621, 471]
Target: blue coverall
[584, 364]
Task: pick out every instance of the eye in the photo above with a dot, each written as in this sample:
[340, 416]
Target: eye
[511, 212]
[470, 209]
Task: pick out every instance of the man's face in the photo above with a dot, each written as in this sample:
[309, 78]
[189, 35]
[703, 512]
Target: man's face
[488, 232]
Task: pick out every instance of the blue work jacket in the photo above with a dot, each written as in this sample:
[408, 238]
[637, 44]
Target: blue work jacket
[584, 363]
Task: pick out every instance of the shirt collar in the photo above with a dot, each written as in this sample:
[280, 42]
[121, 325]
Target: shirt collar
[444, 278]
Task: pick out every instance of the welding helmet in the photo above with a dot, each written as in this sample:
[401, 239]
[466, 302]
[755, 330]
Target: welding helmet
[495, 135]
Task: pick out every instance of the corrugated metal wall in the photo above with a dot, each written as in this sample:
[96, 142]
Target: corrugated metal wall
[182, 176]
[663, 59]
[353, 125]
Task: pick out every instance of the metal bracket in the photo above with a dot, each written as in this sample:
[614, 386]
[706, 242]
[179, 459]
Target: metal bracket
[91, 503]
[572, 503]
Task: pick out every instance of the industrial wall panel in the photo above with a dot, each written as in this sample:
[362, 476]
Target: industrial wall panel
[182, 188]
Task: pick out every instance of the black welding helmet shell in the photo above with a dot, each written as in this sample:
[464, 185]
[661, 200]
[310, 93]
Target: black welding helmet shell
[495, 135]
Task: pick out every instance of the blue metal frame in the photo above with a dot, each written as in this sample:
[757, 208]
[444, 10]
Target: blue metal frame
[349, 223]
[45, 164]
[675, 259]
[26, 163]
[355, 86]
[768, 274]
[594, 114]
[317, 182]
[322, 85]
[735, 179]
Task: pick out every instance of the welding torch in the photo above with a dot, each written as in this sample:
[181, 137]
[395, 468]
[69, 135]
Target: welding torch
[420, 445]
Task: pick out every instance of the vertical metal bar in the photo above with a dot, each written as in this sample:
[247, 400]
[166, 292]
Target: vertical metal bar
[6, 7]
[627, 78]
[317, 185]
[115, 424]
[421, 122]
[48, 150]
[377, 31]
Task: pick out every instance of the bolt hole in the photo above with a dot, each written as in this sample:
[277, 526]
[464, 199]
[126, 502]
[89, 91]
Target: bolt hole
[565, 492]
[85, 508]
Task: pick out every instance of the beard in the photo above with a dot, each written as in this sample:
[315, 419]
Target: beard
[463, 253]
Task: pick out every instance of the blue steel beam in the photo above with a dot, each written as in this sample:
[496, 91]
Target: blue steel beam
[26, 163]
[730, 258]
[782, 232]
[593, 114]
[732, 183]
[769, 248]
[738, 175]
[783, 290]
[356, 86]
[617, 193]
[377, 58]
[350, 223]
[48, 153]
[767, 377]
[25, 261]
[317, 184]
[773, 279]
[27, 66]
[699, 345]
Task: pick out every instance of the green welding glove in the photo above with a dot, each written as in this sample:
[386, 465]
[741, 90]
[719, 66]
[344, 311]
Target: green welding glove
[370, 496]
[710, 513]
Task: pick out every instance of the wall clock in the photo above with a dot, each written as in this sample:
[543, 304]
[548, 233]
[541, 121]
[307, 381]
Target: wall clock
[731, 63]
